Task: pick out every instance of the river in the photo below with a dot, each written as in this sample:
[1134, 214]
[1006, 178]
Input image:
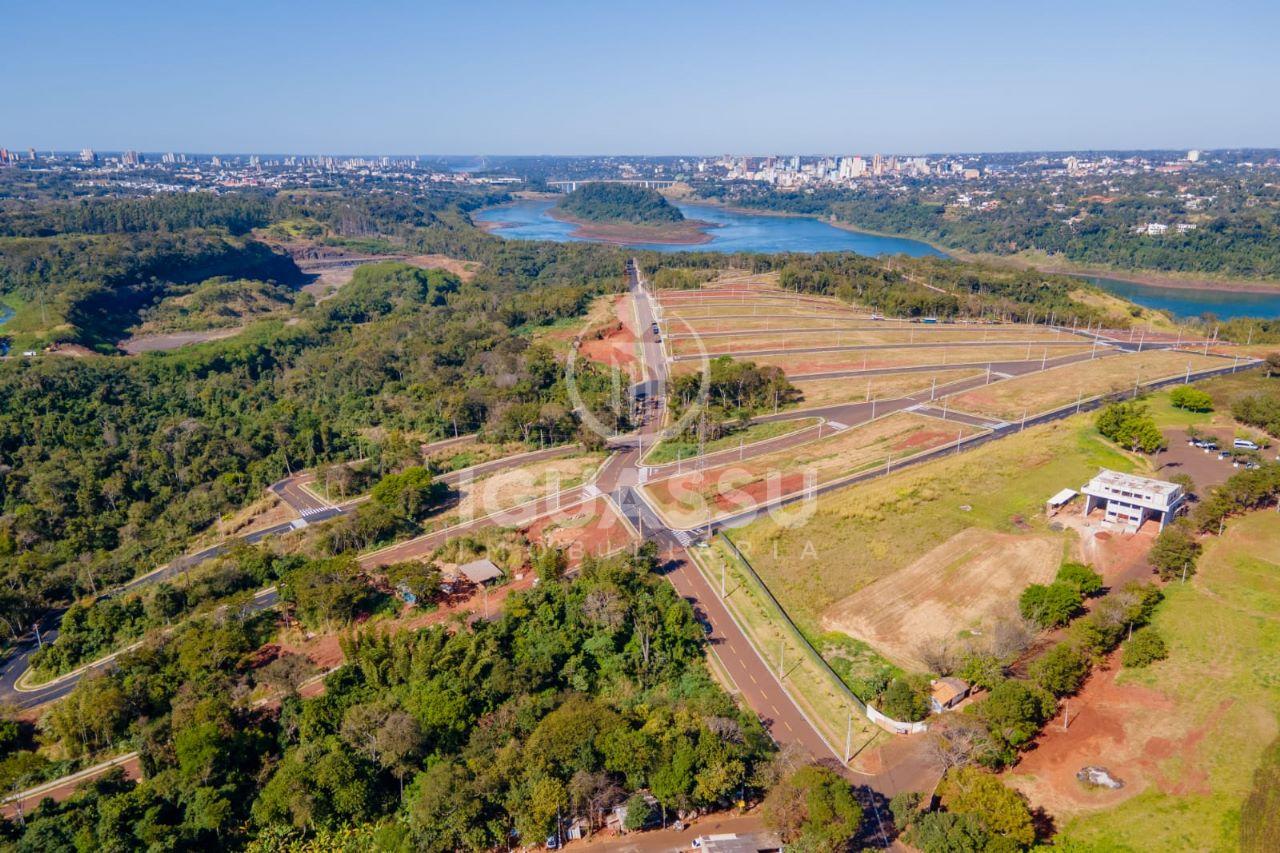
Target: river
[1191, 302]
[748, 232]
[734, 232]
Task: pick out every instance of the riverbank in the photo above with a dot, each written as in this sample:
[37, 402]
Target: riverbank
[690, 232]
[1040, 262]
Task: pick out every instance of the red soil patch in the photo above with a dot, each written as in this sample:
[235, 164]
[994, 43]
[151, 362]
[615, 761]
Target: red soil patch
[759, 491]
[593, 528]
[922, 439]
[1125, 728]
[616, 348]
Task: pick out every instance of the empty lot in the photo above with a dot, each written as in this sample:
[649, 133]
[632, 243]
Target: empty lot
[964, 584]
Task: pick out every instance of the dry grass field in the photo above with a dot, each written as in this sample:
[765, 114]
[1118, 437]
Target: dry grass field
[826, 392]
[685, 498]
[868, 531]
[964, 584]
[1060, 386]
[923, 336]
[803, 364]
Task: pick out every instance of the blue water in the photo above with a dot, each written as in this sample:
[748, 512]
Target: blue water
[736, 232]
[742, 232]
[1192, 303]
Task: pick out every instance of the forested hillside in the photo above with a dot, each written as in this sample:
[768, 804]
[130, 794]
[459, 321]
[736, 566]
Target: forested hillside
[602, 202]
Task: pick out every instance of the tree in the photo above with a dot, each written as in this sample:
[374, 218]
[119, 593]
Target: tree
[446, 812]
[1190, 399]
[325, 591]
[550, 564]
[1146, 647]
[639, 812]
[1272, 362]
[903, 702]
[411, 493]
[1000, 810]
[1050, 606]
[1061, 670]
[813, 809]
[1175, 551]
[1129, 425]
[421, 579]
[945, 832]
[1013, 713]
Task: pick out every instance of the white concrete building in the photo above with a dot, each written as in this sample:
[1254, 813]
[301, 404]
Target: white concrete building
[1128, 500]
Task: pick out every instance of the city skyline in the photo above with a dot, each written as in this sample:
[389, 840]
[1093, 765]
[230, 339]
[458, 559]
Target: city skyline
[570, 78]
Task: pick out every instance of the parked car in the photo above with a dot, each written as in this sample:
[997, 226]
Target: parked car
[1244, 444]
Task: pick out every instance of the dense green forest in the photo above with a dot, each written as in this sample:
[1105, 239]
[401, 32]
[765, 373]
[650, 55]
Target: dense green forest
[1236, 233]
[583, 692]
[110, 465]
[601, 202]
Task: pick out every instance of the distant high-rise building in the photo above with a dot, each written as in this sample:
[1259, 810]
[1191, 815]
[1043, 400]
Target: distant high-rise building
[130, 158]
[87, 155]
[877, 165]
[1193, 156]
[31, 154]
[168, 158]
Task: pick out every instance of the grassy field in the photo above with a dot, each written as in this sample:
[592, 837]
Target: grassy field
[809, 683]
[826, 392]
[800, 363]
[1223, 677]
[670, 451]
[865, 532]
[753, 340]
[1042, 391]
[684, 498]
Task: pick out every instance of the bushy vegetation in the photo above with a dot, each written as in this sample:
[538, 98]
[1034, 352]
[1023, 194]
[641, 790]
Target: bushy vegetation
[1131, 426]
[1144, 648]
[1191, 399]
[734, 389]
[814, 808]
[582, 693]
[601, 202]
[977, 813]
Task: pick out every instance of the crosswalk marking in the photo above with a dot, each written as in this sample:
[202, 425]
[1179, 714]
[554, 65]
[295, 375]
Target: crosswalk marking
[837, 425]
[684, 537]
[309, 511]
[591, 490]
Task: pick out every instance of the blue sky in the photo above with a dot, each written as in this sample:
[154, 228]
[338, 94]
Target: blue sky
[623, 77]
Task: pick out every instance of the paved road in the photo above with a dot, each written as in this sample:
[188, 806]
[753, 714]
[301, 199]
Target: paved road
[312, 510]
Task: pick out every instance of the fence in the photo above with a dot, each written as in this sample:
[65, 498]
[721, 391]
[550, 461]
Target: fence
[885, 722]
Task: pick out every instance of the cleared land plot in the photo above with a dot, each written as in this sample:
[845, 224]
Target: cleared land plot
[750, 306]
[516, 486]
[856, 337]
[964, 584]
[803, 364]
[826, 392]
[590, 529]
[868, 531]
[1060, 386]
[1186, 733]
[675, 449]
[684, 498]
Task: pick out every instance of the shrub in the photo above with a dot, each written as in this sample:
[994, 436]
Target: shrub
[1191, 399]
[1175, 549]
[1084, 579]
[1061, 670]
[1146, 647]
[1050, 606]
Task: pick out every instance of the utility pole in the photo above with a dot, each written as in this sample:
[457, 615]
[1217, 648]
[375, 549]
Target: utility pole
[848, 737]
